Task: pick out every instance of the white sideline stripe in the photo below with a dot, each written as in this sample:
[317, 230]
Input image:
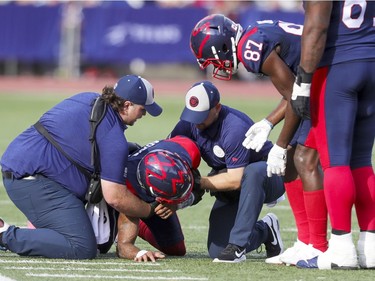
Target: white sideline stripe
[5, 202]
[30, 261]
[3, 278]
[105, 277]
[89, 269]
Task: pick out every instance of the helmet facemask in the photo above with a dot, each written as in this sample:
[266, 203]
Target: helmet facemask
[224, 69]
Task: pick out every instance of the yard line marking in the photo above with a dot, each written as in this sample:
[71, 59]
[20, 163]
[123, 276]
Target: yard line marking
[90, 269]
[4, 278]
[196, 227]
[105, 277]
[80, 262]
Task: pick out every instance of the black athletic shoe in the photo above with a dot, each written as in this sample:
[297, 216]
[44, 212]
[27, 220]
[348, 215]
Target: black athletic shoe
[231, 253]
[274, 244]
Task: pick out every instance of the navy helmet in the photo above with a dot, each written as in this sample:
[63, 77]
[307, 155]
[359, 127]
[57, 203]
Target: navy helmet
[214, 41]
[165, 176]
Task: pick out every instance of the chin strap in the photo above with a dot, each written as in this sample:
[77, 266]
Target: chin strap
[234, 51]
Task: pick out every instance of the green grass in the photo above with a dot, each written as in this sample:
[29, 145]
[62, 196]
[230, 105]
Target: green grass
[17, 112]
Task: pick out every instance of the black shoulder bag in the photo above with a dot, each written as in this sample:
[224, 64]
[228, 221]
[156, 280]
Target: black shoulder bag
[94, 193]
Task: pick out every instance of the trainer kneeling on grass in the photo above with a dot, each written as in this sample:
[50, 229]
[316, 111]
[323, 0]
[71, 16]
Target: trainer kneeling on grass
[50, 189]
[238, 178]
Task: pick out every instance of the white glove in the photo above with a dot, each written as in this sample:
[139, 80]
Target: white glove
[257, 135]
[276, 162]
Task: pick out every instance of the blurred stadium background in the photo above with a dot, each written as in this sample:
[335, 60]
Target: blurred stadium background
[50, 47]
[93, 38]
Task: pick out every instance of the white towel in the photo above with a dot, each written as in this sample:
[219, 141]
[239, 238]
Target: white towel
[98, 215]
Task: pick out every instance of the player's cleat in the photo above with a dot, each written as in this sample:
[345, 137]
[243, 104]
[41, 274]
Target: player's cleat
[309, 264]
[274, 244]
[232, 254]
[3, 227]
[366, 250]
[274, 260]
[341, 254]
[300, 251]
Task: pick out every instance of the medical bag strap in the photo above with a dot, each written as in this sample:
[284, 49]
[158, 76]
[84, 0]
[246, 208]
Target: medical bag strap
[98, 112]
[40, 128]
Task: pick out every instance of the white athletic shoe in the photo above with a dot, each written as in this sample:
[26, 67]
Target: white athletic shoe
[341, 253]
[274, 260]
[293, 254]
[366, 250]
[288, 253]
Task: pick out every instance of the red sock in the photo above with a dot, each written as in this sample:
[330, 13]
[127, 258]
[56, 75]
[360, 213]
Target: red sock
[294, 192]
[316, 211]
[364, 179]
[146, 234]
[339, 191]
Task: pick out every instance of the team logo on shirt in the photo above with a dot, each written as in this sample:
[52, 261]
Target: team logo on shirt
[194, 101]
[218, 151]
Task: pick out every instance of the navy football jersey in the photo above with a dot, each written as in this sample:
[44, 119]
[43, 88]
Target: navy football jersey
[262, 37]
[351, 33]
[183, 146]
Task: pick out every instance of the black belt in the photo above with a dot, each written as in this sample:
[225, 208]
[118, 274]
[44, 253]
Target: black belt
[7, 175]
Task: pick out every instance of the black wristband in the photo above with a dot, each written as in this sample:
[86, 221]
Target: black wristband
[153, 206]
[303, 76]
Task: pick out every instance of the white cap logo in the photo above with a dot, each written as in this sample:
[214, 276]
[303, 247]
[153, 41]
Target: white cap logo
[197, 99]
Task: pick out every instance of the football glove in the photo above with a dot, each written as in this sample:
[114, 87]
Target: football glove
[133, 147]
[197, 191]
[301, 93]
[276, 162]
[257, 135]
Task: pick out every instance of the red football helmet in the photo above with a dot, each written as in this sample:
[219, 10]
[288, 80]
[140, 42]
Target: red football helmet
[165, 176]
[214, 41]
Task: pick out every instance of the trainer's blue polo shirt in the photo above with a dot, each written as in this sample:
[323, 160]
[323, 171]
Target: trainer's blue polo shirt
[68, 123]
[221, 144]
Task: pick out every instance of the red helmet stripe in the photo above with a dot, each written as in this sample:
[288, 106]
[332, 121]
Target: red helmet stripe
[196, 31]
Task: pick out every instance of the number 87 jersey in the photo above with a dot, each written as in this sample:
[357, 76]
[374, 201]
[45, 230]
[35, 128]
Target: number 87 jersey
[261, 38]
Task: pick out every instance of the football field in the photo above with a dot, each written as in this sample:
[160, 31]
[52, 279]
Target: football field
[18, 110]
